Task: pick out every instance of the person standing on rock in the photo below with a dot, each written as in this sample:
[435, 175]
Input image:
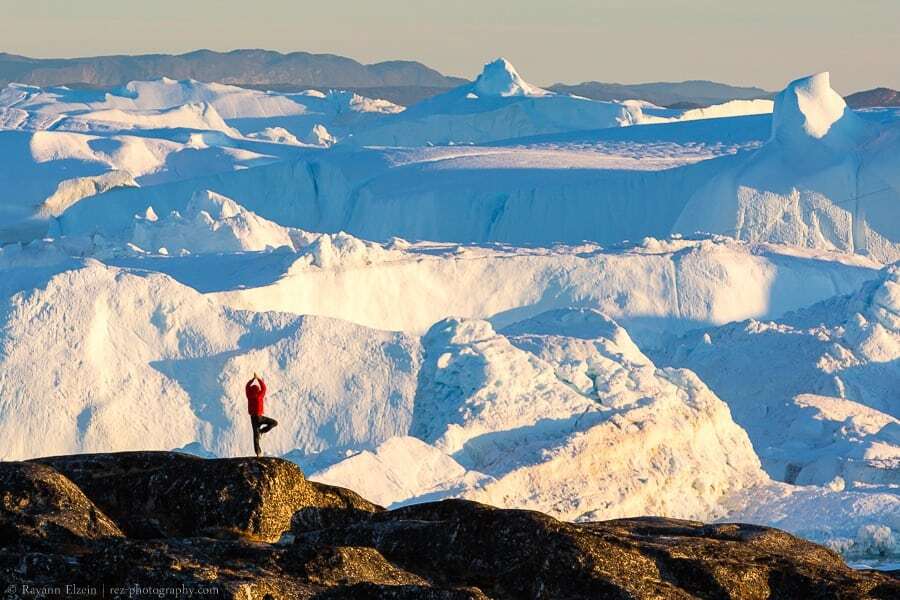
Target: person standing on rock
[256, 393]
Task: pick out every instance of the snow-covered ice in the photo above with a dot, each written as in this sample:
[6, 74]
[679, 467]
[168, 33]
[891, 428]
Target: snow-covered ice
[827, 178]
[830, 380]
[211, 223]
[517, 422]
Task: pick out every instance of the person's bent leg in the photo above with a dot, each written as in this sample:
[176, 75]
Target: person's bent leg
[267, 424]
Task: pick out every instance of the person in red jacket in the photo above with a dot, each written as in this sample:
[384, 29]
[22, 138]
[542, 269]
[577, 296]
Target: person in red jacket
[256, 393]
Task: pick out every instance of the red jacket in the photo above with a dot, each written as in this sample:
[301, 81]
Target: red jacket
[255, 397]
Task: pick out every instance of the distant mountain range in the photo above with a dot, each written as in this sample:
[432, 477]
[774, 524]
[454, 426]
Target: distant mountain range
[401, 81]
[877, 97]
[404, 82]
[238, 67]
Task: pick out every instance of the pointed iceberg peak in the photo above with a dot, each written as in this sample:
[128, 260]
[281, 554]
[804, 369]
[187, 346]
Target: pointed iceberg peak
[500, 78]
[809, 108]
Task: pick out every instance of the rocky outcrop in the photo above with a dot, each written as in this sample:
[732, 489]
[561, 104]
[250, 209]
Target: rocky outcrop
[39, 506]
[256, 528]
[173, 495]
[525, 554]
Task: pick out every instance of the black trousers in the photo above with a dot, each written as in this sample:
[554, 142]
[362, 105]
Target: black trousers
[261, 424]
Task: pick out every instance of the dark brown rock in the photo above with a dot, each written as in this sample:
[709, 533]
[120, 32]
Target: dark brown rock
[168, 494]
[164, 520]
[371, 591]
[524, 554]
[38, 503]
[214, 568]
[346, 565]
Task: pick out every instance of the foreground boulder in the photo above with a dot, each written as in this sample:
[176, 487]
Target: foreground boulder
[168, 494]
[38, 504]
[257, 529]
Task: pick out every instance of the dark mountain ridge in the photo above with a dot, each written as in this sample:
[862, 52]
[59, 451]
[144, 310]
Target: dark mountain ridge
[878, 97]
[237, 66]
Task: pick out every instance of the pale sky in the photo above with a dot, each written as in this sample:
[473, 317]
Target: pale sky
[763, 42]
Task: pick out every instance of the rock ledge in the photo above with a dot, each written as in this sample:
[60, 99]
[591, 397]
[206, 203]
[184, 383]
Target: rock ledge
[258, 529]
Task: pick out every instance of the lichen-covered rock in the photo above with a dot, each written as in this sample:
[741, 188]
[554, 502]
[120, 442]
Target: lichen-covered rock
[39, 504]
[371, 591]
[168, 494]
[209, 567]
[256, 529]
[346, 565]
[525, 554]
